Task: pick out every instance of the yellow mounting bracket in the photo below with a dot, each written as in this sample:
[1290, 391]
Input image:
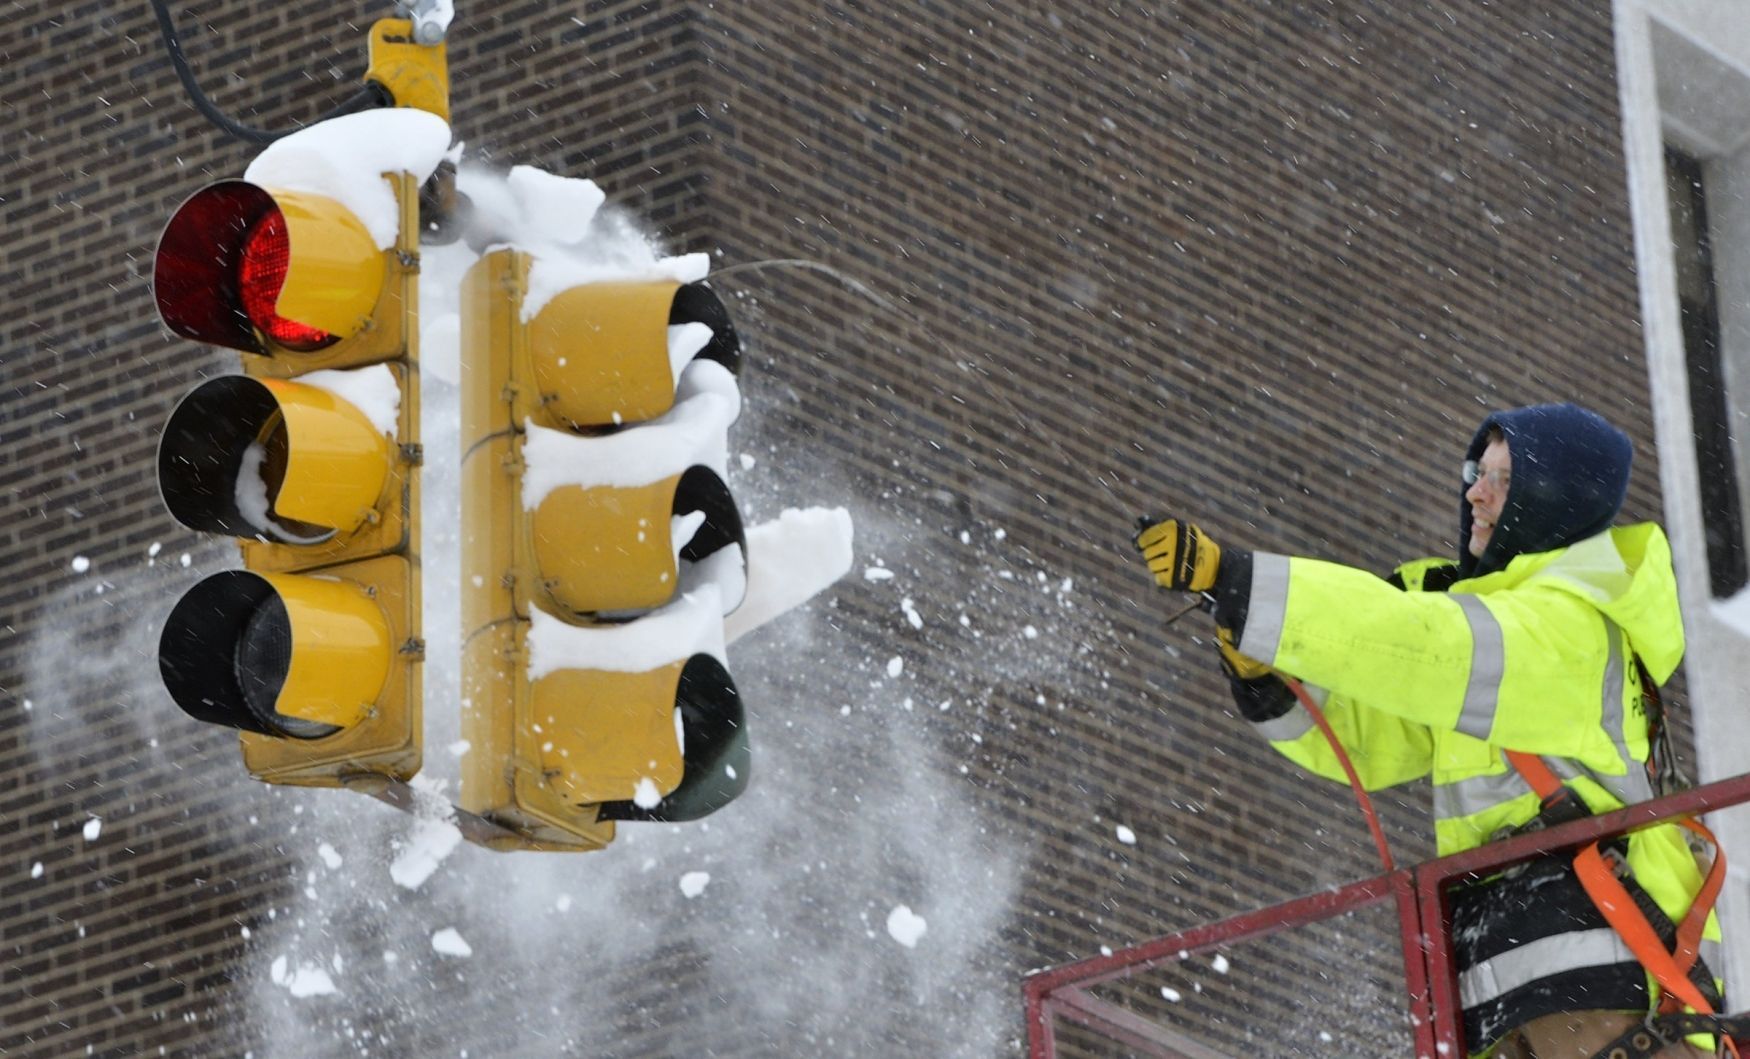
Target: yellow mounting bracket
[415, 75]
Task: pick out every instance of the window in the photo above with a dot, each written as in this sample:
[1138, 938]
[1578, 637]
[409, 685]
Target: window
[1710, 406]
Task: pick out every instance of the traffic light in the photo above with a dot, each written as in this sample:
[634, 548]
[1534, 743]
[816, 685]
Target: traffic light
[601, 549]
[311, 459]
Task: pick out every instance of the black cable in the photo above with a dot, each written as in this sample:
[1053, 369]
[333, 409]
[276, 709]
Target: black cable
[371, 96]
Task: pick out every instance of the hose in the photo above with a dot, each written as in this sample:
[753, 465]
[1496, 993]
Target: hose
[1312, 708]
[1318, 717]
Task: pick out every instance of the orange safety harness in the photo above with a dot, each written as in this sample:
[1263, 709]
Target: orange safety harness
[1672, 968]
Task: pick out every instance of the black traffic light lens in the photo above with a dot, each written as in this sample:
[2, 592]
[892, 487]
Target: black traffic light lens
[226, 652]
[263, 656]
[262, 659]
[267, 255]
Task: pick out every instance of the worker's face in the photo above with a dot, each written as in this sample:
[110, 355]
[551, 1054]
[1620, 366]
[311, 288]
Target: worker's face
[1488, 494]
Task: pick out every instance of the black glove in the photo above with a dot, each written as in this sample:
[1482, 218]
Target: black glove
[1179, 555]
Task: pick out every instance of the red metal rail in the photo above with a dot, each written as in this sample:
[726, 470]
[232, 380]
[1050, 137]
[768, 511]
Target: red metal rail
[1420, 895]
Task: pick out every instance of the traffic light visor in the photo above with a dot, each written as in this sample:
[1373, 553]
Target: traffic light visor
[279, 654]
[263, 271]
[714, 743]
[611, 549]
[666, 744]
[602, 352]
[266, 459]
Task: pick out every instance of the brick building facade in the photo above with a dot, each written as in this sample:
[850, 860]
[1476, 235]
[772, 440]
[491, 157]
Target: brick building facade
[1265, 264]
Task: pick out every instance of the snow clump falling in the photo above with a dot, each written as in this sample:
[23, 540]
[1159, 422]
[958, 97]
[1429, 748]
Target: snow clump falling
[905, 926]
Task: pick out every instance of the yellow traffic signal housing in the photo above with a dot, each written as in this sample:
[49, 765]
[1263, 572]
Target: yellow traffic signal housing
[311, 459]
[415, 75]
[600, 354]
[296, 471]
[569, 578]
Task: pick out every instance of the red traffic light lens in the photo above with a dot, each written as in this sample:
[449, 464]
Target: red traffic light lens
[267, 254]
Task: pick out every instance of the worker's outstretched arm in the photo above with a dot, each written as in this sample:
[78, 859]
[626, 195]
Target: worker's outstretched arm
[1385, 750]
[1528, 668]
[1534, 667]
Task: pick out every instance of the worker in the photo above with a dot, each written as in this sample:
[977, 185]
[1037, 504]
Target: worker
[1536, 639]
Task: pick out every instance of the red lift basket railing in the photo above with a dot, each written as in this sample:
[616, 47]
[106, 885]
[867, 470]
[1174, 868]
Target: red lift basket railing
[1420, 894]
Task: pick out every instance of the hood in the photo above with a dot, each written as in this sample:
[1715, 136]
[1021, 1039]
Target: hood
[1570, 473]
[1625, 573]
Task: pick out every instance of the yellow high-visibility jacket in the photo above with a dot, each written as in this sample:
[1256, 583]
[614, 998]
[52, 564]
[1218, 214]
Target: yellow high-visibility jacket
[1539, 657]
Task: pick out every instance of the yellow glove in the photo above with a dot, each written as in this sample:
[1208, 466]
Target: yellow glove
[1245, 667]
[1179, 555]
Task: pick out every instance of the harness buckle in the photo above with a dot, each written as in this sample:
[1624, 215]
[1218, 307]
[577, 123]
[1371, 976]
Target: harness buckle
[1616, 856]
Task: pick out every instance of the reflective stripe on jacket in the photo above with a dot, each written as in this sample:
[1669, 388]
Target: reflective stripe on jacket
[1538, 657]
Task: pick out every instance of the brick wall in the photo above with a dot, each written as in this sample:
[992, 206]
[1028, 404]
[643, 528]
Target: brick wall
[1262, 264]
[1267, 267]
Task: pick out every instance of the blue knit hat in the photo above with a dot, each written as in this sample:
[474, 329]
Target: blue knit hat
[1569, 476]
